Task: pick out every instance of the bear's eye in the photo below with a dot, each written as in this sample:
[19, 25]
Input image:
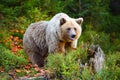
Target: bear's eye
[75, 29]
[68, 28]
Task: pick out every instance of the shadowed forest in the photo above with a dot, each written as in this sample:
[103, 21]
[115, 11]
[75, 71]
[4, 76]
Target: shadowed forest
[101, 27]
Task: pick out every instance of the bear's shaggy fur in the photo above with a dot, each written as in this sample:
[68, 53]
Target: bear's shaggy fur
[57, 35]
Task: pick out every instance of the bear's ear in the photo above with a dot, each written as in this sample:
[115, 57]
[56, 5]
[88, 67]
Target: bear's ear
[62, 21]
[79, 20]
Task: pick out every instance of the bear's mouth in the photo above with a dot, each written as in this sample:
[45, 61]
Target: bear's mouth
[72, 39]
[69, 38]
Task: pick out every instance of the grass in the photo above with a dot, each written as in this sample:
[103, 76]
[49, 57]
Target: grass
[8, 60]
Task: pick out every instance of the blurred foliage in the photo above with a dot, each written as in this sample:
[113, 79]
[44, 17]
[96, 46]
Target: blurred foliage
[20, 13]
[101, 26]
[69, 66]
[8, 60]
[93, 37]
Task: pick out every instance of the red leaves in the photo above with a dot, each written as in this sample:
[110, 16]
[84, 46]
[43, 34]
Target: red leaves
[28, 66]
[40, 72]
[1, 69]
[28, 69]
[15, 44]
[14, 49]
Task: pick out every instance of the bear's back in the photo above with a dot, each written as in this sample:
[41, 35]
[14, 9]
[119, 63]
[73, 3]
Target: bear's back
[35, 36]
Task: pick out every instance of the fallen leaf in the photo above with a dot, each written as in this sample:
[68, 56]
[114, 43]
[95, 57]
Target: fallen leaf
[14, 49]
[1, 69]
[28, 66]
[16, 38]
[38, 74]
[11, 37]
[37, 69]
[18, 71]
[27, 71]
[22, 31]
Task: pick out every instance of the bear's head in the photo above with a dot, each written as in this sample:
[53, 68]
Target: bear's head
[70, 29]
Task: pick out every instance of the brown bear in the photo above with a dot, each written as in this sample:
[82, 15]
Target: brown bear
[54, 36]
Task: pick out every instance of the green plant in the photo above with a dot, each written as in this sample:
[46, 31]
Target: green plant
[8, 60]
[69, 66]
[5, 76]
[112, 68]
[90, 36]
[86, 74]
[3, 35]
[66, 67]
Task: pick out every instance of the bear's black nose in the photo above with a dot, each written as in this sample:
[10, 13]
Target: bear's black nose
[73, 36]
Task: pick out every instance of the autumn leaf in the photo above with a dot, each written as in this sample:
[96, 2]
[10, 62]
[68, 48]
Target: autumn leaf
[1, 69]
[16, 38]
[14, 49]
[17, 70]
[22, 31]
[27, 71]
[11, 37]
[37, 69]
[28, 66]
[36, 75]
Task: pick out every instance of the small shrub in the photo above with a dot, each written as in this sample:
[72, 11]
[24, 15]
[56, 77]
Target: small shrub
[5, 76]
[112, 68]
[66, 67]
[86, 74]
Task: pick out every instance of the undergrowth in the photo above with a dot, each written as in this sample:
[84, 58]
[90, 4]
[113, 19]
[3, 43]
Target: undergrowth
[69, 67]
[10, 61]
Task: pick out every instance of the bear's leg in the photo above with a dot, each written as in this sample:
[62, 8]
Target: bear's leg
[57, 47]
[36, 58]
[71, 45]
[74, 44]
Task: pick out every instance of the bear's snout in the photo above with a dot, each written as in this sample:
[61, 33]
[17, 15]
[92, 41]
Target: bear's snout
[73, 35]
